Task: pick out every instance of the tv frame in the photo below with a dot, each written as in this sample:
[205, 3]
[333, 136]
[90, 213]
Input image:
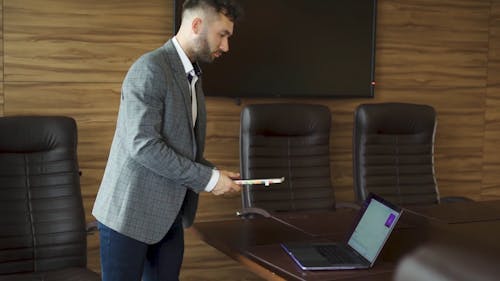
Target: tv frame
[370, 93]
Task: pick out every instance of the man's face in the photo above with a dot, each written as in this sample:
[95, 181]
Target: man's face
[214, 39]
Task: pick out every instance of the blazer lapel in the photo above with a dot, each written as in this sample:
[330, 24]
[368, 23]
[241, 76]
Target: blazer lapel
[180, 77]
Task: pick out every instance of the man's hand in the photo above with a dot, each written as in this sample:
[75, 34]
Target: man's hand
[226, 184]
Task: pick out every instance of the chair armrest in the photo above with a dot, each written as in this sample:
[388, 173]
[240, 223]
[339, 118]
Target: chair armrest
[454, 199]
[91, 227]
[250, 212]
[349, 205]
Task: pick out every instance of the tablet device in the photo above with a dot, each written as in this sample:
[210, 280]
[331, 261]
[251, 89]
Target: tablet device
[265, 182]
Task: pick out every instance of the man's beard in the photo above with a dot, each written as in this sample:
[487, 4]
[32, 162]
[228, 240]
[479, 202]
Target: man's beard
[203, 52]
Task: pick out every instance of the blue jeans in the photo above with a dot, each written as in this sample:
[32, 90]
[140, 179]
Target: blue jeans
[126, 259]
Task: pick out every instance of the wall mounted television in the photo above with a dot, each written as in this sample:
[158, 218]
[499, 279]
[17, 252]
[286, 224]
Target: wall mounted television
[296, 48]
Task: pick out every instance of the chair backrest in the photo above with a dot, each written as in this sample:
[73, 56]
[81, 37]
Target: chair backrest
[460, 261]
[393, 152]
[42, 222]
[291, 141]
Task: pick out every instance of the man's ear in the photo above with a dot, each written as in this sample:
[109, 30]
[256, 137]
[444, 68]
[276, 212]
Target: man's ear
[196, 25]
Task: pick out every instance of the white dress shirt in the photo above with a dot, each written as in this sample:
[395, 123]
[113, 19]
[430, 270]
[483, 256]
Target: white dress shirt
[189, 69]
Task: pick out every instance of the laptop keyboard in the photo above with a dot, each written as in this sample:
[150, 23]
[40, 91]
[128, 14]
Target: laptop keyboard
[336, 254]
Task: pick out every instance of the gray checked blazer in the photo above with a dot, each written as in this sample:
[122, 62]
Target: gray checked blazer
[152, 172]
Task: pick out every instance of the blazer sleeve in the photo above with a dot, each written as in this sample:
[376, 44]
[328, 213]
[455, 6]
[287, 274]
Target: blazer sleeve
[143, 95]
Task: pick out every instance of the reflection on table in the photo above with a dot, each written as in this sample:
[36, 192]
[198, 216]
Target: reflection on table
[464, 227]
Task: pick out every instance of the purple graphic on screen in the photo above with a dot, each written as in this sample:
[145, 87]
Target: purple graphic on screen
[390, 220]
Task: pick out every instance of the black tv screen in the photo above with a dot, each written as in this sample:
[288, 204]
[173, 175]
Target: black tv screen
[296, 48]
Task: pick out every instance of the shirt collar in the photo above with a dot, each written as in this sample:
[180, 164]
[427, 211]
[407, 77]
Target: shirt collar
[188, 66]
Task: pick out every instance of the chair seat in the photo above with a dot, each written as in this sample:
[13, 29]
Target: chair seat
[69, 274]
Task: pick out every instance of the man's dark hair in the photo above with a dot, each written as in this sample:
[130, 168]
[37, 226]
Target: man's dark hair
[228, 8]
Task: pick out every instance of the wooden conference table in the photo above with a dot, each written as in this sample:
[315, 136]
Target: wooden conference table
[255, 242]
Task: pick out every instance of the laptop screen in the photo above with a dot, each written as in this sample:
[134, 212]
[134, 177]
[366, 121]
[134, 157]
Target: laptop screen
[373, 229]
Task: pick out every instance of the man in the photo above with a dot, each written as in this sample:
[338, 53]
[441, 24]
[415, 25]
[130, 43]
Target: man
[156, 167]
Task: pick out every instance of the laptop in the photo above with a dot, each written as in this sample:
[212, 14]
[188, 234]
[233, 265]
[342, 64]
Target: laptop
[374, 224]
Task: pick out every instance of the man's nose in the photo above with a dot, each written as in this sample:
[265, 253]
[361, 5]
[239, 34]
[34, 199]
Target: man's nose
[224, 45]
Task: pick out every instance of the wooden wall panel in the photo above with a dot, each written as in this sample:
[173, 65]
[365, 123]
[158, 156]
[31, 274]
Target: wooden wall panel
[93, 254]
[69, 57]
[222, 149]
[436, 53]
[491, 154]
[1, 58]
[81, 41]
[432, 43]
[1, 99]
[1, 41]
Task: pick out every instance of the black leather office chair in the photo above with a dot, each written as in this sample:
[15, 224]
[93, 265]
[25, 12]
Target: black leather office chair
[291, 141]
[42, 222]
[393, 153]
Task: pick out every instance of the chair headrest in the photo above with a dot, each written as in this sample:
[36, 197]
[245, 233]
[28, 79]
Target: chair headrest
[25, 134]
[395, 118]
[285, 119]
